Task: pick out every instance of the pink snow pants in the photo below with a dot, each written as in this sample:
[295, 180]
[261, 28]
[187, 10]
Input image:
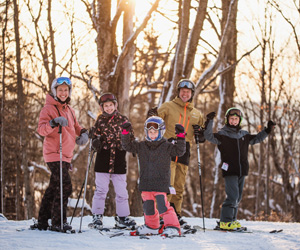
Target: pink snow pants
[102, 186]
[155, 204]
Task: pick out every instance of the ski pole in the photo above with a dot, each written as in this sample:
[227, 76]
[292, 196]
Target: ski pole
[81, 190]
[86, 178]
[199, 166]
[61, 176]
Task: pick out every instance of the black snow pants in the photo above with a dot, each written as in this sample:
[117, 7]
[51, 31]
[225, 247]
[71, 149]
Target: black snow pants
[50, 207]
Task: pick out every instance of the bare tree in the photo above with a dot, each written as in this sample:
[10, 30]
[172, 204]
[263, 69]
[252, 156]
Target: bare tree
[2, 118]
[29, 198]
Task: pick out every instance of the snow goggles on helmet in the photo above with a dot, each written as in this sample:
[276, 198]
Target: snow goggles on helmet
[107, 97]
[152, 125]
[186, 84]
[236, 112]
[63, 80]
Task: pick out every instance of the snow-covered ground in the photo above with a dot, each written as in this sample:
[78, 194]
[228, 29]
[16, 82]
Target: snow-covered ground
[11, 238]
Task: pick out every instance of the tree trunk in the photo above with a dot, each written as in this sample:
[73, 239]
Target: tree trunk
[21, 119]
[106, 48]
[227, 84]
[3, 104]
[124, 81]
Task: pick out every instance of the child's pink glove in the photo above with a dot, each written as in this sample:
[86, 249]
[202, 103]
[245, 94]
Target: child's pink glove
[126, 127]
[179, 131]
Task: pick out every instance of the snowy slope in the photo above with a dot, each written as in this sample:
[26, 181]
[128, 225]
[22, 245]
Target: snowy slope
[10, 238]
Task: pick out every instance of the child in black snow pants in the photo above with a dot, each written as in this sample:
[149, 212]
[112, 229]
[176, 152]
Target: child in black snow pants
[154, 159]
[110, 163]
[233, 144]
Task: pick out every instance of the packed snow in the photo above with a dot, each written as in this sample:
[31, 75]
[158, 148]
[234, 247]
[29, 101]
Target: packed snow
[16, 235]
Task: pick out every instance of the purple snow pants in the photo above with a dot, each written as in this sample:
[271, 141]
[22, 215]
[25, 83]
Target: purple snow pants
[102, 187]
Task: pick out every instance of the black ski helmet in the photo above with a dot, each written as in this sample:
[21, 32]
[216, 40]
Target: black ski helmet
[234, 112]
[188, 84]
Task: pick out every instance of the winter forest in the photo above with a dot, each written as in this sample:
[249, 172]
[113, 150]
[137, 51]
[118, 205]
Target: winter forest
[238, 53]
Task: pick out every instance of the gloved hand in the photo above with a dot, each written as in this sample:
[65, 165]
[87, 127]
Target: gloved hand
[197, 130]
[179, 129]
[92, 132]
[97, 144]
[211, 116]
[83, 138]
[199, 134]
[270, 127]
[126, 126]
[62, 121]
[152, 112]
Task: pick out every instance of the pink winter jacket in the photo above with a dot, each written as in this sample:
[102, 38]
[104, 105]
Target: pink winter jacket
[51, 141]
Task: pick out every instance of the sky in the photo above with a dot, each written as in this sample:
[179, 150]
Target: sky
[288, 239]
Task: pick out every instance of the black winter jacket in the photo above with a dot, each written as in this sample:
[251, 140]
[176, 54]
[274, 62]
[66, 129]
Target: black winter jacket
[233, 144]
[154, 161]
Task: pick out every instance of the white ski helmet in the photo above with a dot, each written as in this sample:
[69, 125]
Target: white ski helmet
[60, 81]
[156, 123]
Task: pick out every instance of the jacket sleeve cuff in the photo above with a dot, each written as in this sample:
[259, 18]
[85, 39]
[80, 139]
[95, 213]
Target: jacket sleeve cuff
[125, 132]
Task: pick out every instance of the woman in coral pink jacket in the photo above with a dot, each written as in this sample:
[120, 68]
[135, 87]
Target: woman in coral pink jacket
[55, 113]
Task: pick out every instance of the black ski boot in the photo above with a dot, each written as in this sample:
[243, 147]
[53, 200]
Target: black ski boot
[183, 223]
[97, 222]
[66, 228]
[39, 225]
[125, 222]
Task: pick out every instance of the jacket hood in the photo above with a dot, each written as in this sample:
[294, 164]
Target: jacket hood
[233, 132]
[51, 101]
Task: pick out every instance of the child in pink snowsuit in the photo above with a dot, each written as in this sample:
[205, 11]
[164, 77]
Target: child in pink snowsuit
[154, 156]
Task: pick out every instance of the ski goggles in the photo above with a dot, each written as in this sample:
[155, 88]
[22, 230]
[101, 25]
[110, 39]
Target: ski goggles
[236, 112]
[63, 80]
[107, 97]
[152, 125]
[185, 84]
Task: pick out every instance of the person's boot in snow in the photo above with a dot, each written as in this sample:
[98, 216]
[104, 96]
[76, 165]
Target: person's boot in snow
[98, 220]
[57, 228]
[125, 222]
[145, 230]
[171, 231]
[39, 226]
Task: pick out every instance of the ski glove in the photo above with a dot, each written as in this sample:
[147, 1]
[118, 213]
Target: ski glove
[126, 127]
[270, 127]
[83, 138]
[209, 117]
[152, 112]
[199, 134]
[62, 121]
[179, 131]
[97, 144]
[92, 132]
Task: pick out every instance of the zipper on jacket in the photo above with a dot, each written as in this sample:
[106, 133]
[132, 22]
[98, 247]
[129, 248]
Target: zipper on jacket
[239, 157]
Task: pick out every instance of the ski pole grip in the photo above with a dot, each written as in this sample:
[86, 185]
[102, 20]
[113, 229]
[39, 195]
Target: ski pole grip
[196, 136]
[59, 129]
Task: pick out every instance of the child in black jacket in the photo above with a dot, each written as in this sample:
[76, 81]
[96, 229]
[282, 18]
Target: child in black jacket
[154, 160]
[233, 144]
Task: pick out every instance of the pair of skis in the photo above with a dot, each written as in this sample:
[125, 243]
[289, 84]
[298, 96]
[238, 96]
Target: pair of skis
[238, 230]
[123, 232]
